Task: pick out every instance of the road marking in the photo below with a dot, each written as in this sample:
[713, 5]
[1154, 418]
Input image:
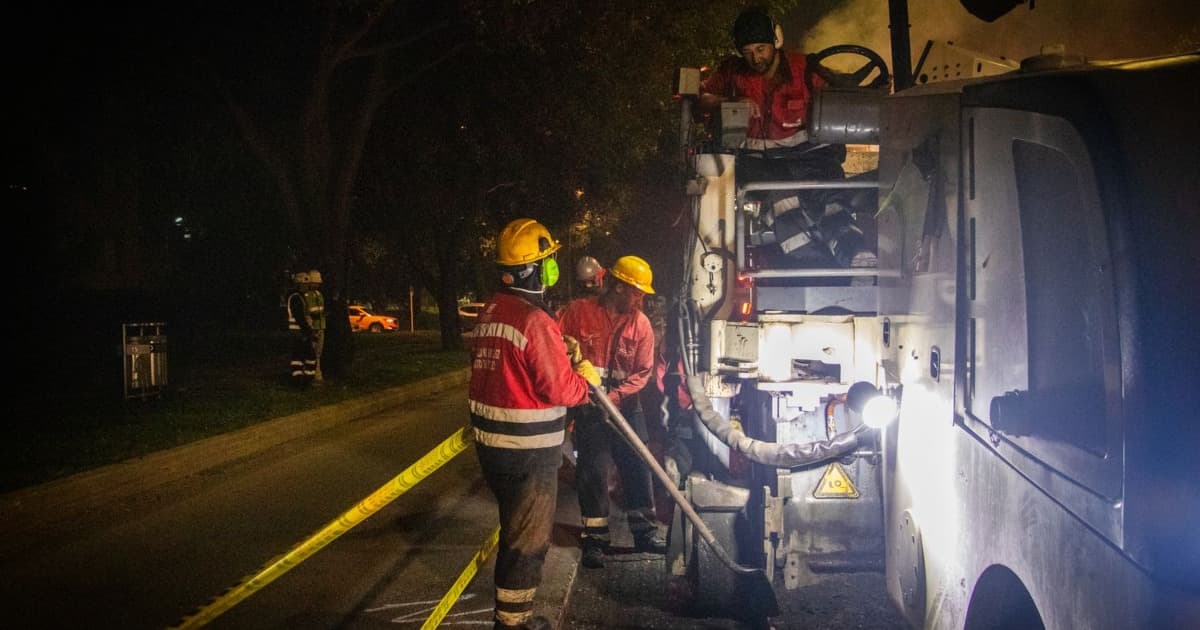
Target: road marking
[427, 602]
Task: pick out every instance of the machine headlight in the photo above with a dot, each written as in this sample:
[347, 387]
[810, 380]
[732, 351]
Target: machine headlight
[879, 411]
[874, 407]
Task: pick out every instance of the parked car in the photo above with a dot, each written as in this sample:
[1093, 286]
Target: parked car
[361, 319]
[468, 313]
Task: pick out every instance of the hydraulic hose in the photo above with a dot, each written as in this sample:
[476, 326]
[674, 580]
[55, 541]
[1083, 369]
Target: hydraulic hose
[758, 451]
[766, 453]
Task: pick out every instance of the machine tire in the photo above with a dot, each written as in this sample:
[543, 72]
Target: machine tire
[376, 328]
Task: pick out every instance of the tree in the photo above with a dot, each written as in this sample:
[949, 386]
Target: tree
[476, 111]
[556, 110]
[353, 57]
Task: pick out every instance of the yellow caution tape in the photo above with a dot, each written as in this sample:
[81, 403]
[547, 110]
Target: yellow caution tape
[464, 578]
[387, 493]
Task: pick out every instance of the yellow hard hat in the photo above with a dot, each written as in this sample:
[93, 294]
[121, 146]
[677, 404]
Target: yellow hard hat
[635, 271]
[524, 241]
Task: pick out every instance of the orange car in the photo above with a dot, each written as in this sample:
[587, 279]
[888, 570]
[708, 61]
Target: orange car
[361, 320]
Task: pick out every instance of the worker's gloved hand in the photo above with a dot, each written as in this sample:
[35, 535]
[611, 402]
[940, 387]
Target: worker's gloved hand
[585, 369]
[573, 351]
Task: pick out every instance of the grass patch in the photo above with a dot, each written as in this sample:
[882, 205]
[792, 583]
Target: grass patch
[216, 385]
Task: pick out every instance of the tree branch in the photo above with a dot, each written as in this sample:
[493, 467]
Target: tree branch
[389, 47]
[267, 153]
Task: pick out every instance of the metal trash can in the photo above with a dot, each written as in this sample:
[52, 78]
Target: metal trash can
[145, 355]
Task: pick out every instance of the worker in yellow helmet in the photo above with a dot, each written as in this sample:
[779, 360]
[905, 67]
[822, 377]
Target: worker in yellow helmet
[522, 381]
[615, 335]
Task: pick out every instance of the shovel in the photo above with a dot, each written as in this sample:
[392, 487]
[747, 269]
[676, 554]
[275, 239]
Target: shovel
[755, 581]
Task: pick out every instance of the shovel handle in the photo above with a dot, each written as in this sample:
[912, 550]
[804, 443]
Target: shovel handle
[618, 420]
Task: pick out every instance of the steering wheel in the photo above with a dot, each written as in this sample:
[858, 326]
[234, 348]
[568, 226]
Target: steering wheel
[858, 77]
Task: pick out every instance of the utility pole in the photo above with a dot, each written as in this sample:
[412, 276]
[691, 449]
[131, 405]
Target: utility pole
[412, 320]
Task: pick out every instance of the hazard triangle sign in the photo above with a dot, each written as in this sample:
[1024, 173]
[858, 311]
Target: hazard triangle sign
[835, 484]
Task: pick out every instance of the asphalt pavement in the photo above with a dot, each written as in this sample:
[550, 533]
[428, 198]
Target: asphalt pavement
[32, 511]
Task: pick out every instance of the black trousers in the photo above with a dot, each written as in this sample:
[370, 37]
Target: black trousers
[598, 444]
[525, 484]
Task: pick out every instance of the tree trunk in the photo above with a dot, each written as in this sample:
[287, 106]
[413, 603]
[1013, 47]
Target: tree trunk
[338, 356]
[448, 323]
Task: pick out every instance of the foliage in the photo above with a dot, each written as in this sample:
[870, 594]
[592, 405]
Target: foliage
[558, 110]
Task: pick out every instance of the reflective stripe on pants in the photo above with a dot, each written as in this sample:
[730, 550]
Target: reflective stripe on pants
[598, 444]
[526, 499]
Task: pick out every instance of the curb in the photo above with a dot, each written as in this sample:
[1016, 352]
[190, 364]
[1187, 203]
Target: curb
[30, 509]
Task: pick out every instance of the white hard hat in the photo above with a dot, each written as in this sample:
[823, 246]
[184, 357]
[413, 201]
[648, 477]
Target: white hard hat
[300, 277]
[588, 269]
[314, 276]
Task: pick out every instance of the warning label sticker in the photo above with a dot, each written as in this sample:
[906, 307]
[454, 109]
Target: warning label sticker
[835, 484]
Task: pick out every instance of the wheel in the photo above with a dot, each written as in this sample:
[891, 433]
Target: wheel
[857, 78]
[376, 328]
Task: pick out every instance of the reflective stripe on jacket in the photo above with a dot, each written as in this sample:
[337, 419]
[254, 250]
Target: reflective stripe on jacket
[521, 378]
[297, 312]
[779, 112]
[621, 347]
[316, 308]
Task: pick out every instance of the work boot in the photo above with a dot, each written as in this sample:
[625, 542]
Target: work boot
[593, 556]
[533, 623]
[650, 542]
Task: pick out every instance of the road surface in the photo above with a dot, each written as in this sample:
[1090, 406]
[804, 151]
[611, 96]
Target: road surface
[150, 560]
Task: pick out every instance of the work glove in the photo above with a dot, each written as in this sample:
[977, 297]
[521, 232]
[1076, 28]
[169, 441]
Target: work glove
[573, 351]
[585, 369]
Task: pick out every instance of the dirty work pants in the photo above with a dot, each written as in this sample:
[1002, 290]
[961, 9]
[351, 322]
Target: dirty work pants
[598, 444]
[525, 483]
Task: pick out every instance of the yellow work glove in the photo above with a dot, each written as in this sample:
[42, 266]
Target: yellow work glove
[573, 351]
[585, 369]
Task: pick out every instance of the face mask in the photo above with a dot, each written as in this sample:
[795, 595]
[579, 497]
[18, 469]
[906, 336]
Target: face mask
[549, 272]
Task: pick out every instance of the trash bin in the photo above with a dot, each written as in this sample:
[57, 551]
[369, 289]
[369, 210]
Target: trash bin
[145, 353]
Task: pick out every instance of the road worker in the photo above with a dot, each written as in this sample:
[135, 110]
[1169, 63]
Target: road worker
[522, 381]
[778, 87]
[316, 313]
[302, 363]
[613, 333]
[589, 276]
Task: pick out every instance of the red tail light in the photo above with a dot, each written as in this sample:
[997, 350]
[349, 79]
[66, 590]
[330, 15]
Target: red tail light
[743, 293]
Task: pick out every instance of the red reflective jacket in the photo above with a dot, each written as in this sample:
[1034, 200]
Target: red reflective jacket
[779, 112]
[621, 347]
[521, 378]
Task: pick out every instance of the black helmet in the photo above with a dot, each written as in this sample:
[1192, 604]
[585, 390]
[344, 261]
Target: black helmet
[755, 26]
